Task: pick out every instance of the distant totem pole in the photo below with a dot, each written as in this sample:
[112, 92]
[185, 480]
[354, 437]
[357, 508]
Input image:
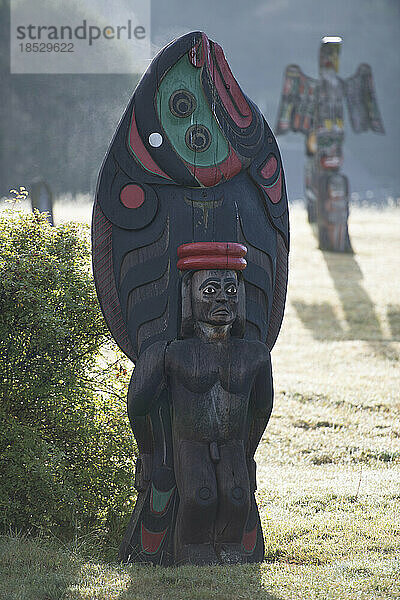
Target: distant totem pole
[42, 198]
[190, 240]
[315, 108]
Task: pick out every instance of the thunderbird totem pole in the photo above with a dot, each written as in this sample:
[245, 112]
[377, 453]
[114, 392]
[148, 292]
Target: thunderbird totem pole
[315, 108]
[190, 254]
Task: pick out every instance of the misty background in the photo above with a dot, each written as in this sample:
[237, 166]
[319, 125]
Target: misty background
[59, 126]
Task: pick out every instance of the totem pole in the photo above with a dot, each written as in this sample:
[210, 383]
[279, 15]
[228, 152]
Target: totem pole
[190, 254]
[315, 108]
[42, 198]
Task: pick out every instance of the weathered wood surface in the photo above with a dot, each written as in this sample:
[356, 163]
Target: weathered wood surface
[220, 393]
[193, 160]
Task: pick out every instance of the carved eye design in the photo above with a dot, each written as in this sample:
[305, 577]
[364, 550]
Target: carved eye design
[198, 138]
[182, 103]
[155, 139]
[209, 290]
[231, 289]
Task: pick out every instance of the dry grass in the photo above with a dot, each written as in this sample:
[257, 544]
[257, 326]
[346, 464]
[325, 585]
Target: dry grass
[329, 462]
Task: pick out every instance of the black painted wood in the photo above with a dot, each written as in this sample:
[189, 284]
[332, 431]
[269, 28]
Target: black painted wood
[220, 395]
[198, 402]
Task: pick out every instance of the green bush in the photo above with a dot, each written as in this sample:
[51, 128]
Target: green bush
[66, 449]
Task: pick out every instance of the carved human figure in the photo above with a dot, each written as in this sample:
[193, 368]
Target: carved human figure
[192, 159]
[220, 390]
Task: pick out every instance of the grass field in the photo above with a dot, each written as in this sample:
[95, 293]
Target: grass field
[329, 462]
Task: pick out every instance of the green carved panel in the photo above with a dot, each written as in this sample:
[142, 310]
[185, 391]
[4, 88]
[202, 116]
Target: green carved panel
[184, 76]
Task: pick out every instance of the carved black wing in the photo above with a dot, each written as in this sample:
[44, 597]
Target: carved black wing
[297, 104]
[361, 101]
[192, 160]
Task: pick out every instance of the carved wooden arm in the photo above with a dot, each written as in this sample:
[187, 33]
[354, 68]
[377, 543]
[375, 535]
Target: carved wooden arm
[261, 402]
[148, 380]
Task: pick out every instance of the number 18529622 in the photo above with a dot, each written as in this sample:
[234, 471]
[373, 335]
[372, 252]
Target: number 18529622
[46, 47]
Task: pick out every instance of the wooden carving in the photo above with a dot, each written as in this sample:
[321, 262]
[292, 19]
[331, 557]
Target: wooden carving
[315, 108]
[190, 251]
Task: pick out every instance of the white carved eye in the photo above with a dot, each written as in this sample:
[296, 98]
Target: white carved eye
[231, 290]
[209, 290]
[155, 140]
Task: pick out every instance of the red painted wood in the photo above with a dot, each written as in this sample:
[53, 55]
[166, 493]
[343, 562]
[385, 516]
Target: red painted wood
[275, 191]
[249, 540]
[210, 176]
[212, 249]
[230, 92]
[231, 166]
[212, 262]
[132, 196]
[269, 168]
[151, 541]
[212, 255]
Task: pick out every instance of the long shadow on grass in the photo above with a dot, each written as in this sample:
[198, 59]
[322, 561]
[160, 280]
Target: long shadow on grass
[196, 583]
[359, 310]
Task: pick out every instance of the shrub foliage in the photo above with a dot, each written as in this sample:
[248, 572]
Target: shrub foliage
[66, 450]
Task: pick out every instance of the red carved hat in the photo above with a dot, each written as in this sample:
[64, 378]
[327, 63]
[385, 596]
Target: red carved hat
[212, 255]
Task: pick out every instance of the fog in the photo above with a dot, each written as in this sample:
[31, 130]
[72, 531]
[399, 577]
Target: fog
[59, 126]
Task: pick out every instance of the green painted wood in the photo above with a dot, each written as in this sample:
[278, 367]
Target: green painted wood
[159, 500]
[183, 75]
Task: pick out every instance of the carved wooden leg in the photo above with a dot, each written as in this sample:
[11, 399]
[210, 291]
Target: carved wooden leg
[233, 502]
[197, 489]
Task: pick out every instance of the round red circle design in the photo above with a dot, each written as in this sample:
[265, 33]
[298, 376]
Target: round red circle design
[132, 196]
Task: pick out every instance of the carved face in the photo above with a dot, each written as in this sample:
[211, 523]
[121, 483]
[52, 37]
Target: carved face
[215, 296]
[329, 54]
